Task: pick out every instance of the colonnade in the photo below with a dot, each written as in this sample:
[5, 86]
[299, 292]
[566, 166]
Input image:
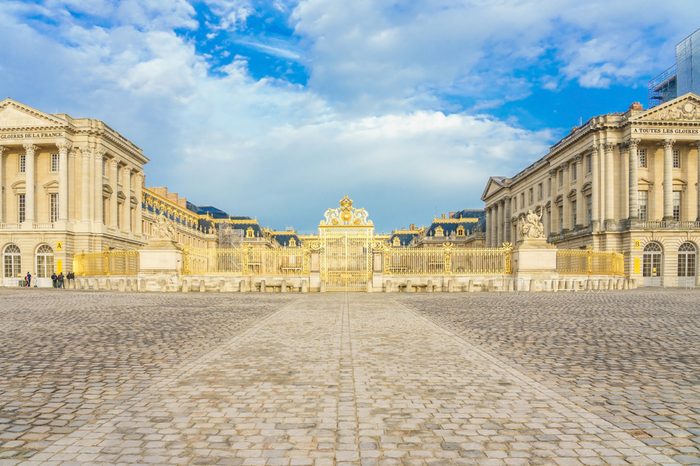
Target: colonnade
[605, 182]
[121, 178]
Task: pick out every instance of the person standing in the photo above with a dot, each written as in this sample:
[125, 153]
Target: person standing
[54, 280]
[28, 279]
[60, 280]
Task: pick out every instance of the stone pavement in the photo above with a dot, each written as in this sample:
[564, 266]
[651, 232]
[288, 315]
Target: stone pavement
[283, 380]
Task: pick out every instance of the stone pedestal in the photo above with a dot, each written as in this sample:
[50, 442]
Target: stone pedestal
[160, 264]
[160, 257]
[534, 264]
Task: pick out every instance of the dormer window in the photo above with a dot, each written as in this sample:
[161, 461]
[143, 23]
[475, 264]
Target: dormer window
[396, 241]
[250, 233]
[460, 230]
[292, 243]
[439, 232]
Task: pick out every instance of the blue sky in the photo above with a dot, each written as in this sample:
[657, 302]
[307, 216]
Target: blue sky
[276, 109]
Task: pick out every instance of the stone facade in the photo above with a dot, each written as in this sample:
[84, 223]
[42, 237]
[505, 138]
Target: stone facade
[67, 185]
[625, 182]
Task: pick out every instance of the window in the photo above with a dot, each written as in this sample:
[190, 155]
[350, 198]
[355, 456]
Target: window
[676, 158]
[539, 192]
[292, 243]
[439, 231]
[652, 260]
[642, 153]
[44, 261]
[573, 172]
[530, 197]
[396, 241]
[643, 205]
[12, 260]
[249, 233]
[53, 207]
[460, 230]
[589, 163]
[686, 260]
[54, 163]
[573, 214]
[21, 208]
[22, 163]
[589, 210]
[677, 206]
[560, 212]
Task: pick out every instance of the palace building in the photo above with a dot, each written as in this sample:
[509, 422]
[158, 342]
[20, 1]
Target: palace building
[626, 182]
[66, 185]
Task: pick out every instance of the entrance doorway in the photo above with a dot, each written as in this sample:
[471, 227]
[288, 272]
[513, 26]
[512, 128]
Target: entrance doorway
[687, 265]
[652, 264]
[345, 237]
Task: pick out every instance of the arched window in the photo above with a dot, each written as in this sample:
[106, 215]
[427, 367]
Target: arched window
[292, 243]
[651, 265]
[460, 230]
[687, 260]
[439, 231]
[249, 233]
[13, 261]
[44, 261]
[396, 241]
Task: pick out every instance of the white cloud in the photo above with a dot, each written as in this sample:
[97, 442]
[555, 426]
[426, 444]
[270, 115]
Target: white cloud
[371, 122]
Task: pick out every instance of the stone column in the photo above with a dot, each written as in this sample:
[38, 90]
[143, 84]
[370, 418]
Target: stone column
[609, 182]
[85, 185]
[98, 183]
[566, 185]
[138, 190]
[494, 221]
[113, 202]
[595, 186]
[697, 148]
[63, 148]
[507, 221]
[487, 230]
[126, 216]
[633, 203]
[499, 225]
[30, 182]
[580, 198]
[668, 179]
[2, 194]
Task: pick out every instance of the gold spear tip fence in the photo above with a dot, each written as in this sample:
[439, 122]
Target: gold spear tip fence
[112, 262]
[589, 262]
[289, 261]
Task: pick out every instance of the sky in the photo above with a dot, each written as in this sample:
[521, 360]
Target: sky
[276, 109]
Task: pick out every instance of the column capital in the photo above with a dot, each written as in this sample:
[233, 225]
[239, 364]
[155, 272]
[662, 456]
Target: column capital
[64, 145]
[608, 146]
[3, 149]
[113, 163]
[578, 158]
[668, 143]
[29, 147]
[634, 142]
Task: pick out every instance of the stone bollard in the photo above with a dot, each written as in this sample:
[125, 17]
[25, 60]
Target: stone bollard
[241, 286]
[387, 286]
[450, 286]
[263, 286]
[304, 286]
[202, 286]
[429, 287]
[283, 286]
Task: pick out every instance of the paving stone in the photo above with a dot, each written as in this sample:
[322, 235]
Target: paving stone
[248, 379]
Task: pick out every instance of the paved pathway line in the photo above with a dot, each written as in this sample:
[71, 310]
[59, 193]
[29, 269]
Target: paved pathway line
[424, 393]
[349, 379]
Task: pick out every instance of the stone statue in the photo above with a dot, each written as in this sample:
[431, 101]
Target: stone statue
[531, 226]
[164, 229]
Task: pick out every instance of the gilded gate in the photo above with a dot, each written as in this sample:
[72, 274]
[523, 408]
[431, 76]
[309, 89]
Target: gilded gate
[345, 236]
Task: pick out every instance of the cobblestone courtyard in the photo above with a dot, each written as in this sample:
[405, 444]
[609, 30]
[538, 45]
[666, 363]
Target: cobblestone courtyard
[587, 378]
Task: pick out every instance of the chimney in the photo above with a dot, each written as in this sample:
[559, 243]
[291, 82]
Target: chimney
[412, 226]
[636, 106]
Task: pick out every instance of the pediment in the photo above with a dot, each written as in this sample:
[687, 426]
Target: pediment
[16, 115]
[684, 108]
[494, 185]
